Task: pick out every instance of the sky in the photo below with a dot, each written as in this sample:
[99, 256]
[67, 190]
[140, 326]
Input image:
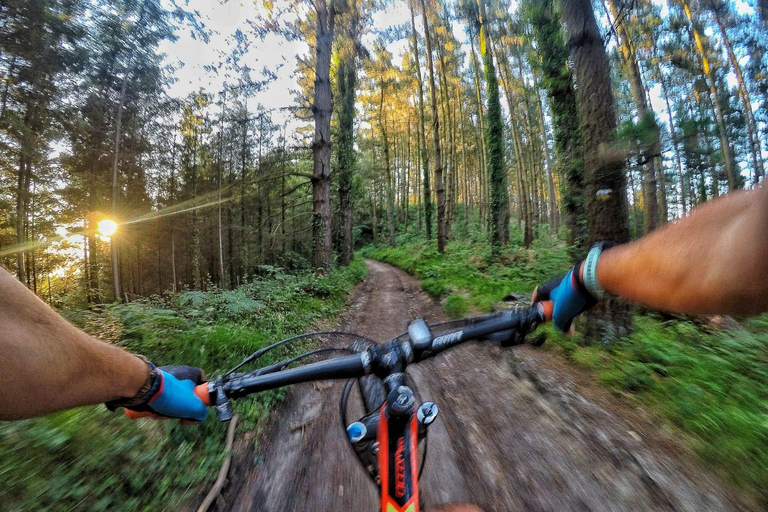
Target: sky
[274, 52]
[223, 19]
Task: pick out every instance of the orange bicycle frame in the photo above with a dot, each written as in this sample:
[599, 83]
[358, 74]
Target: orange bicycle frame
[398, 463]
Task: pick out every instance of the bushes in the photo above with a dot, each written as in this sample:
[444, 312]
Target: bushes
[91, 459]
[456, 306]
[712, 387]
[471, 269]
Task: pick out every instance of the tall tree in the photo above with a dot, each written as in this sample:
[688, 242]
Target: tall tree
[721, 11]
[649, 150]
[346, 76]
[426, 188]
[558, 82]
[322, 107]
[731, 172]
[439, 186]
[39, 43]
[605, 182]
[497, 178]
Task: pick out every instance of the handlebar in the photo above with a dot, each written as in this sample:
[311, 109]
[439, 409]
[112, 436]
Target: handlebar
[380, 360]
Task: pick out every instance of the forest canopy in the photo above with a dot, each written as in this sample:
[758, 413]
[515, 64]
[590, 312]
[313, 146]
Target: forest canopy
[439, 119]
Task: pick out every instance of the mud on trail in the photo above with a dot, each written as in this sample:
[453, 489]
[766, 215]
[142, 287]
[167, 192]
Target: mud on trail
[515, 433]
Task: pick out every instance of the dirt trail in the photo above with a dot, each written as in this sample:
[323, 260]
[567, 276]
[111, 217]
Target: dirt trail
[513, 435]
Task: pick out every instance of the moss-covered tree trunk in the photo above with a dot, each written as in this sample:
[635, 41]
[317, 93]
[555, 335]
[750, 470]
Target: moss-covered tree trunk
[558, 82]
[497, 179]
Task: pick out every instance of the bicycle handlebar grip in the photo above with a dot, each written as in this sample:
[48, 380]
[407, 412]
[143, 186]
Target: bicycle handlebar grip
[548, 307]
[202, 392]
[135, 415]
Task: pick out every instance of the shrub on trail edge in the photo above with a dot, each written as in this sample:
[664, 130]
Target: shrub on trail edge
[456, 306]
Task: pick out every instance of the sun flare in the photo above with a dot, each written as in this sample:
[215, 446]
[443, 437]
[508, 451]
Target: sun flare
[107, 227]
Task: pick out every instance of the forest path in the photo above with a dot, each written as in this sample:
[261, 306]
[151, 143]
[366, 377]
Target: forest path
[513, 434]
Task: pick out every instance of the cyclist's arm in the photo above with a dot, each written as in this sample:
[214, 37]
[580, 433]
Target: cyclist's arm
[48, 365]
[713, 261]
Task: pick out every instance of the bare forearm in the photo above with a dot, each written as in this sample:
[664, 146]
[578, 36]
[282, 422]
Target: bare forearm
[49, 365]
[714, 261]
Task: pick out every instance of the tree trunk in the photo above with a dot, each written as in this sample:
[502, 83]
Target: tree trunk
[749, 116]
[220, 206]
[725, 148]
[347, 79]
[604, 171]
[22, 203]
[644, 114]
[439, 187]
[562, 98]
[497, 178]
[197, 279]
[426, 189]
[554, 213]
[321, 144]
[390, 192]
[674, 136]
[480, 136]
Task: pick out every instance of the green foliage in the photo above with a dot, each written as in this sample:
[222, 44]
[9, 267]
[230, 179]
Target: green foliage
[710, 386]
[456, 306]
[472, 269]
[91, 459]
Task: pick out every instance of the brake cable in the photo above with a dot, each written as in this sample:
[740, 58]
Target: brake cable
[256, 355]
[283, 364]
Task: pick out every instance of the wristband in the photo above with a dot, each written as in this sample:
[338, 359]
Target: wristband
[590, 273]
[147, 391]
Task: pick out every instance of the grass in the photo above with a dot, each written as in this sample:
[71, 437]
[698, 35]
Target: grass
[710, 387]
[91, 459]
[471, 271]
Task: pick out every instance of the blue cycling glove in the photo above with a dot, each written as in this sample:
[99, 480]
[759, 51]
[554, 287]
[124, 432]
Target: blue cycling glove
[569, 296]
[169, 393]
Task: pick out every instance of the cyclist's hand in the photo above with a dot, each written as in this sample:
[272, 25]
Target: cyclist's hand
[172, 395]
[569, 296]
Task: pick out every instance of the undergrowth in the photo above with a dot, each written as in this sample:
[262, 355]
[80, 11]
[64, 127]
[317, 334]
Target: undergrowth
[473, 270]
[710, 387]
[91, 459]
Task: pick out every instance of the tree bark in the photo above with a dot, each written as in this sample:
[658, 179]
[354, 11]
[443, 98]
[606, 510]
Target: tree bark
[746, 101]
[322, 108]
[565, 120]
[644, 114]
[497, 178]
[347, 78]
[604, 170]
[439, 186]
[725, 148]
[427, 190]
[390, 192]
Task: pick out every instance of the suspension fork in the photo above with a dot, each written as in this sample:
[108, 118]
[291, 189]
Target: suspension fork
[398, 455]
